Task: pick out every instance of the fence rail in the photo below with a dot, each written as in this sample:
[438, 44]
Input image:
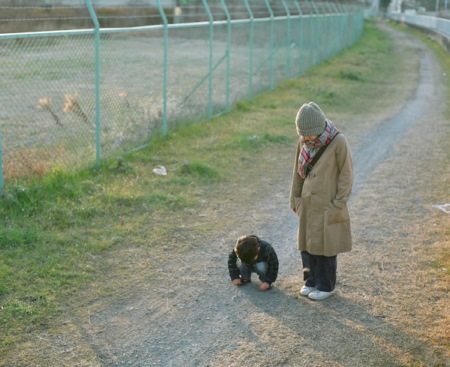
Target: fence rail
[74, 97]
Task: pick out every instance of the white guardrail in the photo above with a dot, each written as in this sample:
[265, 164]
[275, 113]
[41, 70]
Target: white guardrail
[438, 25]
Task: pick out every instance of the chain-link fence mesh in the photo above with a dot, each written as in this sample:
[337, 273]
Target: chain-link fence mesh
[67, 95]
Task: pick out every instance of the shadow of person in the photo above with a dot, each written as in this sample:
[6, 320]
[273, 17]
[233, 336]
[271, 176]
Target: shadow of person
[332, 332]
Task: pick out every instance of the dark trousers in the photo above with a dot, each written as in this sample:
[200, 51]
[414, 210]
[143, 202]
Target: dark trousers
[259, 268]
[319, 271]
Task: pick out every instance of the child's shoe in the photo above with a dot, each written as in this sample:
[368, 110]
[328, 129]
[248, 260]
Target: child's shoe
[305, 291]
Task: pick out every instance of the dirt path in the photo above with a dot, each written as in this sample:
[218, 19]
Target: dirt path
[386, 306]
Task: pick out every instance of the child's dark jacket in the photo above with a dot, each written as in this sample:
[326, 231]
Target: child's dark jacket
[266, 254]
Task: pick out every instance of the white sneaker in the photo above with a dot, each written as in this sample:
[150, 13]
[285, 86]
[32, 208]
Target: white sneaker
[319, 295]
[305, 291]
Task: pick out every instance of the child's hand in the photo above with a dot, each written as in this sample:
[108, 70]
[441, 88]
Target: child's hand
[264, 286]
[236, 282]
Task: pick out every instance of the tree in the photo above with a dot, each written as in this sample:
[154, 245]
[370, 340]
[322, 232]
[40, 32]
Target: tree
[384, 5]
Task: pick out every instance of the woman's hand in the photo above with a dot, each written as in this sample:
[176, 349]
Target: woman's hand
[236, 282]
[264, 286]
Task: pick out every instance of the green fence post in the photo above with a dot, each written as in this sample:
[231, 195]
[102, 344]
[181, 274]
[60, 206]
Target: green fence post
[316, 40]
[269, 8]
[211, 42]
[97, 79]
[309, 37]
[227, 89]
[165, 41]
[288, 43]
[342, 23]
[337, 45]
[250, 72]
[2, 184]
[300, 34]
[329, 21]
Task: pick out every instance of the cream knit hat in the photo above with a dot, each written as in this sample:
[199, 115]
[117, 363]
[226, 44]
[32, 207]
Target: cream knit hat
[310, 120]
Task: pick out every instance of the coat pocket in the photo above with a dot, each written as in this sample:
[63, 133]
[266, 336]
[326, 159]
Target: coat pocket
[337, 232]
[334, 215]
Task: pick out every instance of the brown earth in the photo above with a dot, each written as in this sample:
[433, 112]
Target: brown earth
[392, 301]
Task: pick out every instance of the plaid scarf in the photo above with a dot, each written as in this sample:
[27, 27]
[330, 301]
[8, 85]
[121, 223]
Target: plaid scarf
[310, 148]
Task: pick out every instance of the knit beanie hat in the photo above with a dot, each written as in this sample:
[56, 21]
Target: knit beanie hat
[310, 120]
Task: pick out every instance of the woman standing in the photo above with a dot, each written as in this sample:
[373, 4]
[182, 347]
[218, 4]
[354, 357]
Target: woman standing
[319, 194]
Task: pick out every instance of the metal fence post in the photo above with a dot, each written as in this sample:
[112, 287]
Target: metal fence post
[300, 46]
[165, 34]
[211, 43]
[329, 23]
[97, 79]
[227, 13]
[315, 21]
[2, 184]
[269, 8]
[250, 72]
[288, 43]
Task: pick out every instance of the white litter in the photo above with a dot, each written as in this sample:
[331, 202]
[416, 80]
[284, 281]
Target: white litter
[160, 170]
[444, 207]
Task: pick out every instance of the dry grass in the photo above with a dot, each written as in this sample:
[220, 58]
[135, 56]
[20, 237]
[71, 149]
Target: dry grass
[34, 162]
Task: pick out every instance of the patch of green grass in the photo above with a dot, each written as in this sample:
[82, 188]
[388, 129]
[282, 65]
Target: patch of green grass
[36, 271]
[270, 105]
[16, 237]
[167, 201]
[350, 75]
[198, 169]
[340, 90]
[252, 141]
[244, 106]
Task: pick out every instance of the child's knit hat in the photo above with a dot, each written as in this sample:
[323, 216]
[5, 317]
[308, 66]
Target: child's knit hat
[310, 120]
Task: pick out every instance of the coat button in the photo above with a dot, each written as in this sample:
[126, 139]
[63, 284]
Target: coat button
[313, 193]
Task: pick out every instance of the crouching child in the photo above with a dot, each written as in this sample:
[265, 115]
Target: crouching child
[253, 255]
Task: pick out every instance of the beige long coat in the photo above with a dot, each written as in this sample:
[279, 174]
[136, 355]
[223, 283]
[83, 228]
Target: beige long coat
[321, 201]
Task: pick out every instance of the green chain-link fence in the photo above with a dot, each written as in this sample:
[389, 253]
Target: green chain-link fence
[73, 97]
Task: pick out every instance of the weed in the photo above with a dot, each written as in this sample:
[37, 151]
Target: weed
[73, 105]
[46, 105]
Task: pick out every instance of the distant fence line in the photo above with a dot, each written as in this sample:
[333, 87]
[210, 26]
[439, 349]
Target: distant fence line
[439, 26]
[73, 97]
